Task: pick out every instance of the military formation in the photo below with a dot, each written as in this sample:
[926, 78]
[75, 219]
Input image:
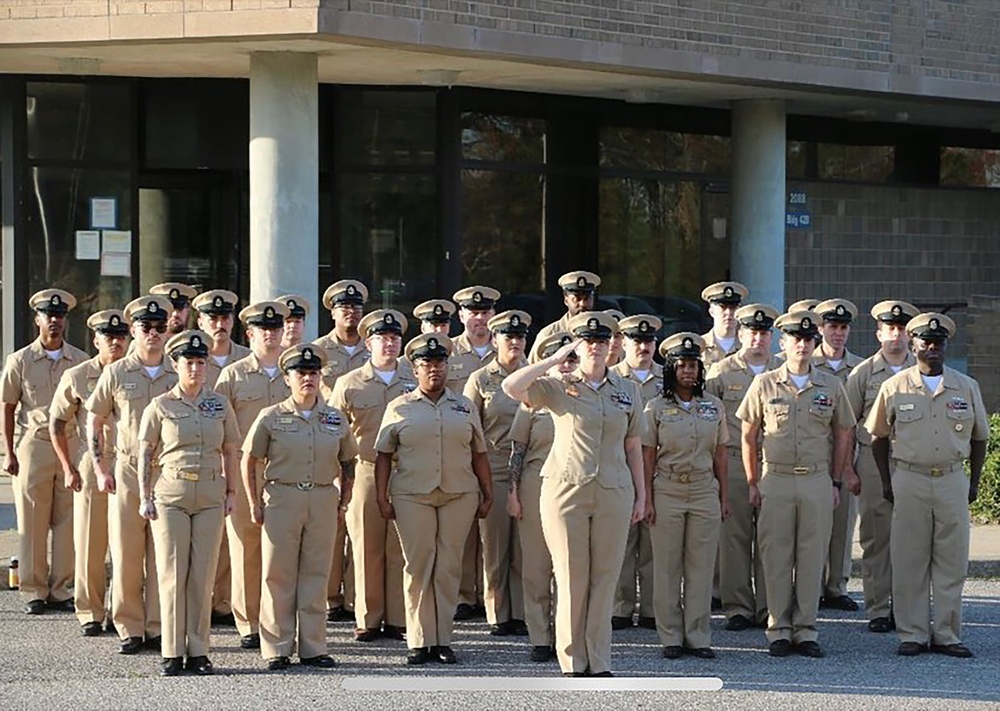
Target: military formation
[601, 479]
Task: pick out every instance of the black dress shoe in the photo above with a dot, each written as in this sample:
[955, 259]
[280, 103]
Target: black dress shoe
[393, 632]
[339, 614]
[34, 607]
[367, 635]
[620, 623]
[132, 645]
[200, 665]
[518, 628]
[109, 627]
[463, 612]
[91, 629]
[779, 648]
[952, 650]
[152, 643]
[810, 649]
[277, 663]
[250, 641]
[841, 602]
[322, 661]
[67, 605]
[911, 649]
[573, 675]
[737, 623]
[541, 653]
[700, 652]
[881, 625]
[444, 655]
[418, 655]
[602, 674]
[674, 651]
[479, 612]
[501, 629]
[171, 666]
[648, 623]
[223, 619]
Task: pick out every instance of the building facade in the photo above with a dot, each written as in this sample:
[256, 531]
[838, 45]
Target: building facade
[813, 148]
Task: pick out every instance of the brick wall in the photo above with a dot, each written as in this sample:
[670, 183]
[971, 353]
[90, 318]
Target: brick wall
[984, 347]
[934, 248]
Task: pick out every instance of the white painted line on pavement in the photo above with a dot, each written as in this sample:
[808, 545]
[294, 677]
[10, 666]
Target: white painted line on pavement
[498, 683]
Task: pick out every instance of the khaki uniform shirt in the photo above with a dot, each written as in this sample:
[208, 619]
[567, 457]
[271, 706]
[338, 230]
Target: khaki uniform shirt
[74, 388]
[122, 393]
[464, 361]
[863, 384]
[797, 426]
[363, 396]
[648, 388]
[213, 369]
[929, 429]
[714, 352]
[590, 427]
[433, 443]
[848, 363]
[188, 435]
[729, 379]
[249, 389]
[685, 438]
[555, 327]
[30, 379]
[534, 428]
[496, 411]
[301, 449]
[339, 359]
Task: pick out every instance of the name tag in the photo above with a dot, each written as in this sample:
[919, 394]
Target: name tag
[907, 407]
[285, 420]
[735, 387]
[128, 386]
[671, 411]
[188, 476]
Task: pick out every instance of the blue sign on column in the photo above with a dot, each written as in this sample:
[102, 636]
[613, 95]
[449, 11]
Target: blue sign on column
[798, 220]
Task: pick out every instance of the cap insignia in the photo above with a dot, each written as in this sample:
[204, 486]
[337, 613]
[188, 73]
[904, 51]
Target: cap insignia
[806, 323]
[152, 307]
[307, 354]
[581, 281]
[758, 316]
[438, 310]
[515, 320]
[728, 291]
[55, 300]
[291, 303]
[934, 324]
[196, 341]
[840, 309]
[174, 294]
[115, 321]
[269, 312]
[217, 302]
[643, 326]
[688, 343]
[389, 318]
[432, 343]
[592, 324]
[897, 310]
[477, 296]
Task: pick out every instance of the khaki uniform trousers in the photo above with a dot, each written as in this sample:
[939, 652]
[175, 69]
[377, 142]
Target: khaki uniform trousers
[536, 563]
[585, 528]
[638, 565]
[470, 590]
[244, 563]
[741, 572]
[340, 583]
[875, 527]
[793, 532]
[135, 595]
[930, 552]
[90, 539]
[685, 539]
[297, 541]
[378, 557]
[503, 593]
[432, 530]
[43, 504]
[838, 564]
[188, 534]
[221, 589]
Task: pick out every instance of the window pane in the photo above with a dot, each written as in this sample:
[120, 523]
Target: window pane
[176, 228]
[502, 138]
[503, 228]
[58, 206]
[386, 127]
[796, 157]
[870, 164]
[646, 149]
[651, 251]
[76, 121]
[390, 238]
[973, 167]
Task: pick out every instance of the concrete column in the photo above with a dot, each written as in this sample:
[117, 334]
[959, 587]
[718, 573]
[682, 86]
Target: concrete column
[758, 199]
[284, 178]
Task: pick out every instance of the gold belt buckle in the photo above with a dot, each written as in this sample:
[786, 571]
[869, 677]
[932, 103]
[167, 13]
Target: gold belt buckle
[304, 486]
[188, 476]
[683, 478]
[801, 470]
[936, 471]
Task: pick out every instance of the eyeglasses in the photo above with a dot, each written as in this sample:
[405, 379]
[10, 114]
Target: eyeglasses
[349, 307]
[158, 326]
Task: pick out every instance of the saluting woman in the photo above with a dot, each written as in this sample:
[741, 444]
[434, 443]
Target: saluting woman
[592, 485]
[684, 456]
[191, 430]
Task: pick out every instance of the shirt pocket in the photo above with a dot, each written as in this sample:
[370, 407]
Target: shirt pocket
[776, 415]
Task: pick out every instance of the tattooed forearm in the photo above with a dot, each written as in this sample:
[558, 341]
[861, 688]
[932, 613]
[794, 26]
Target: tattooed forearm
[347, 474]
[146, 471]
[95, 437]
[516, 463]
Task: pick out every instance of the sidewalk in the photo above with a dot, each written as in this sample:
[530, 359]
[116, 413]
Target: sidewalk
[984, 543]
